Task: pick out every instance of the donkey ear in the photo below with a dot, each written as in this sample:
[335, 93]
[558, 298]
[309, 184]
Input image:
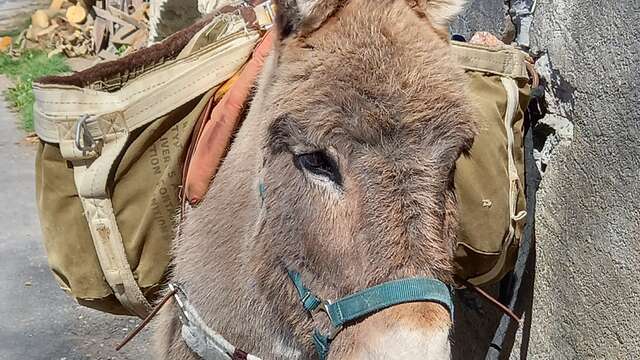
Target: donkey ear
[440, 12]
[302, 16]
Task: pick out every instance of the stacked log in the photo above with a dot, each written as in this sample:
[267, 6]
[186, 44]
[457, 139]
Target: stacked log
[120, 28]
[106, 28]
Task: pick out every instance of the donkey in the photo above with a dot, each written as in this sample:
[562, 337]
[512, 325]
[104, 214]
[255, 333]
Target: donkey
[343, 172]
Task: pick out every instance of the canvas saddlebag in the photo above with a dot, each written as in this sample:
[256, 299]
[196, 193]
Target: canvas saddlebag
[109, 165]
[490, 181]
[114, 140]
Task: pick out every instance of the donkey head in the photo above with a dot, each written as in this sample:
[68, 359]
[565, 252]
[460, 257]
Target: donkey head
[366, 115]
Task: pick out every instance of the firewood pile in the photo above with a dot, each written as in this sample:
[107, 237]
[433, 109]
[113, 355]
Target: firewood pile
[121, 28]
[106, 28]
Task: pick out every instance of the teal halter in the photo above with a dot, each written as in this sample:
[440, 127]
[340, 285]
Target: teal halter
[365, 302]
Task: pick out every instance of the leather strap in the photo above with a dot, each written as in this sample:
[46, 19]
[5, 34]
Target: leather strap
[217, 131]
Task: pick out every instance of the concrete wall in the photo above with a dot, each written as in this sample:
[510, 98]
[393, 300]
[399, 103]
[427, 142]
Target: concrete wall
[586, 302]
[587, 294]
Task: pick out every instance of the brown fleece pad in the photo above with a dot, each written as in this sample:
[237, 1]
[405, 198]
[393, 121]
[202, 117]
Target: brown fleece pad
[133, 64]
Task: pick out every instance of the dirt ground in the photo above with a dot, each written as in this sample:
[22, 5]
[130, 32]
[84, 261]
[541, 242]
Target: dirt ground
[39, 321]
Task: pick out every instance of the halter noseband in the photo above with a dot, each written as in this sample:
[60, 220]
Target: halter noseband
[210, 345]
[365, 302]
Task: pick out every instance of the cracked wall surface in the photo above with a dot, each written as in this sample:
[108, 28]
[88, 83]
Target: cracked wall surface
[586, 302]
[587, 297]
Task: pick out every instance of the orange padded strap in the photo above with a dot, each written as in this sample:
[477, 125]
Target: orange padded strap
[213, 142]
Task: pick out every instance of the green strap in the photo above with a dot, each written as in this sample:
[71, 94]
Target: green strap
[371, 300]
[309, 301]
[368, 301]
[321, 343]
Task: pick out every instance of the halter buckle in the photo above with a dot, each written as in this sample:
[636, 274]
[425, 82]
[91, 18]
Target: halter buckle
[177, 296]
[335, 330]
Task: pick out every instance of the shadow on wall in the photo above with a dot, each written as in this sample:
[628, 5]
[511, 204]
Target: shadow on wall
[476, 322]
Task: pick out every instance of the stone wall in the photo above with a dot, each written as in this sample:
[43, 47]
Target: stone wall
[586, 302]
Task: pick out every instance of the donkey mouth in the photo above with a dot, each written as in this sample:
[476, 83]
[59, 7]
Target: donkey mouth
[412, 331]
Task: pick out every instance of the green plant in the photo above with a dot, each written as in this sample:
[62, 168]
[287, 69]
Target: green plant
[23, 70]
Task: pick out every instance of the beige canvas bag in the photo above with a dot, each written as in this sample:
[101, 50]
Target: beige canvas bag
[110, 160]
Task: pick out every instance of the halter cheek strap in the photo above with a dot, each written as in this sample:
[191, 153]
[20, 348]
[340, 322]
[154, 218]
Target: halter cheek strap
[363, 303]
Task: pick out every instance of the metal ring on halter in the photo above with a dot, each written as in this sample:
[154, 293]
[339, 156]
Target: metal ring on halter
[333, 332]
[324, 308]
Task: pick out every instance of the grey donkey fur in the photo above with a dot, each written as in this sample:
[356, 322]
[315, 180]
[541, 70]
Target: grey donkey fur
[372, 85]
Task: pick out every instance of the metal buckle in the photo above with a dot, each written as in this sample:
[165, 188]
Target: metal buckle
[88, 143]
[305, 298]
[181, 308]
[335, 330]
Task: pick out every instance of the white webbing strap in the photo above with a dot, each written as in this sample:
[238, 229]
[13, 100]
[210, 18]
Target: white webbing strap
[91, 177]
[146, 98]
[199, 337]
[515, 185]
[112, 117]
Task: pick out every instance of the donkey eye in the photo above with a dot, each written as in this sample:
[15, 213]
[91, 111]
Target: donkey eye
[319, 163]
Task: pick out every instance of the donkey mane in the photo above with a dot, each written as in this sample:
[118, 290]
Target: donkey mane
[371, 84]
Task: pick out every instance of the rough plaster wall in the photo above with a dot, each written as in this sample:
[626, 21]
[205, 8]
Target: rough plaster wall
[481, 15]
[587, 296]
[586, 302]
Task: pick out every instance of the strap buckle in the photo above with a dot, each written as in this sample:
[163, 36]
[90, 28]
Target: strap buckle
[321, 340]
[334, 330]
[88, 143]
[178, 297]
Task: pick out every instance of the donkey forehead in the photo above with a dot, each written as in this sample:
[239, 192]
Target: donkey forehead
[347, 106]
[372, 76]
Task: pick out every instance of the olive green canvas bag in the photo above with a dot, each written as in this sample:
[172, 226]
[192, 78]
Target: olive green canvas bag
[490, 181]
[109, 165]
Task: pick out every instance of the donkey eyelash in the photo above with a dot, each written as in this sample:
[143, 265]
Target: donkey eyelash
[320, 164]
